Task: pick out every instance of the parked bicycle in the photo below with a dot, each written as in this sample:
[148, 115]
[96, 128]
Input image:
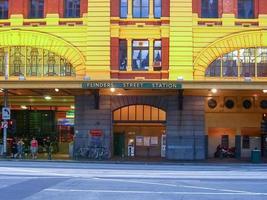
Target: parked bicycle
[95, 153]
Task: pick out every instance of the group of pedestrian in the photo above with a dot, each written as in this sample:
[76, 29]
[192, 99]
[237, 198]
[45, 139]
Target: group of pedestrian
[18, 148]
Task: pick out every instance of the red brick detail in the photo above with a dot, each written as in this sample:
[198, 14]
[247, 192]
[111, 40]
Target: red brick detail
[165, 53]
[228, 6]
[220, 8]
[71, 23]
[153, 23]
[61, 8]
[115, 8]
[256, 8]
[262, 7]
[235, 2]
[114, 53]
[19, 7]
[165, 8]
[84, 6]
[51, 7]
[32, 23]
[195, 6]
[146, 75]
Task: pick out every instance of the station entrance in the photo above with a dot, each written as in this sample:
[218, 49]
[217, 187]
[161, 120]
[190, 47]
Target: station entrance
[139, 132]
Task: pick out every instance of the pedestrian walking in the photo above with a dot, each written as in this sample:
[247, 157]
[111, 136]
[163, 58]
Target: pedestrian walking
[20, 147]
[14, 149]
[48, 146]
[34, 148]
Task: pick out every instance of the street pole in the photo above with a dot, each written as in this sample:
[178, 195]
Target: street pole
[5, 105]
[5, 128]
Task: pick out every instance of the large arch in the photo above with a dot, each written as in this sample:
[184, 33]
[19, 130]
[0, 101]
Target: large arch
[248, 39]
[155, 101]
[44, 41]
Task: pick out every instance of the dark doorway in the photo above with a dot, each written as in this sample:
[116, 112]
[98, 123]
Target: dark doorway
[119, 144]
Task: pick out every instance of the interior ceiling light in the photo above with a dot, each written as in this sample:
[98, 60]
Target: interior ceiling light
[23, 107]
[264, 91]
[112, 89]
[56, 89]
[48, 98]
[214, 90]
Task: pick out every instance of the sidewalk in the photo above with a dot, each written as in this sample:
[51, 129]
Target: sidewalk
[157, 161]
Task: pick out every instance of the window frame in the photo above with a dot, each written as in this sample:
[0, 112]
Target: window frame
[35, 15]
[5, 13]
[120, 50]
[204, 9]
[245, 142]
[154, 9]
[123, 17]
[140, 9]
[253, 10]
[66, 15]
[146, 68]
[157, 68]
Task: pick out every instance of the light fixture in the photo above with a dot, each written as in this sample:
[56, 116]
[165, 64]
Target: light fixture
[22, 78]
[48, 98]
[1, 90]
[214, 90]
[264, 91]
[56, 89]
[247, 79]
[112, 89]
[72, 107]
[86, 78]
[23, 107]
[180, 78]
[120, 94]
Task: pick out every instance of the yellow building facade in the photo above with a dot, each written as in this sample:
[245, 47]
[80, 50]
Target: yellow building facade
[168, 54]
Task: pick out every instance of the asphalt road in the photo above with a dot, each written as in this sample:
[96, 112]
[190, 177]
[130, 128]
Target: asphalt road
[82, 181]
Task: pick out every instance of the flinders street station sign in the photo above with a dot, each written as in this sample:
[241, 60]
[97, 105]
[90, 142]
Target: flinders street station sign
[131, 85]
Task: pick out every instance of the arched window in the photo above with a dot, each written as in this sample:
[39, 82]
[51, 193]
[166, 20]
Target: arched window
[209, 8]
[139, 113]
[249, 62]
[36, 9]
[30, 61]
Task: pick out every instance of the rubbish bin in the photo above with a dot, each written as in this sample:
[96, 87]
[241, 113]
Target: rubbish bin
[255, 156]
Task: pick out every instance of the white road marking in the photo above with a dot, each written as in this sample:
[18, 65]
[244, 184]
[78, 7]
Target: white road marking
[142, 182]
[155, 192]
[173, 185]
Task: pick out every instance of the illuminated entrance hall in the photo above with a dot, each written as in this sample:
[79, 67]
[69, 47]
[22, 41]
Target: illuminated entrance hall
[139, 131]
